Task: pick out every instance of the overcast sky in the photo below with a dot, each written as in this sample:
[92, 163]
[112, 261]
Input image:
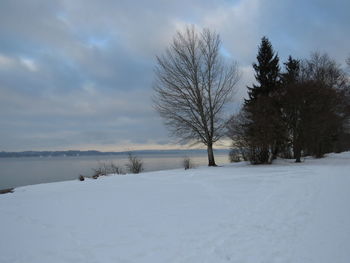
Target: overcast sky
[77, 74]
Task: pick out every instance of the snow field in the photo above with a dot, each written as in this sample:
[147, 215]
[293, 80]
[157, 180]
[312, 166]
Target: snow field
[284, 212]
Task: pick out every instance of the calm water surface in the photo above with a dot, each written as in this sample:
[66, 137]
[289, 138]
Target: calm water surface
[22, 171]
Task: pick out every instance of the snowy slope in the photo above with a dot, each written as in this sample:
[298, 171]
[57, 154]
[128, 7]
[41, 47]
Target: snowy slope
[284, 212]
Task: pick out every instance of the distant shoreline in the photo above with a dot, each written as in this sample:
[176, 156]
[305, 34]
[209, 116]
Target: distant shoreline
[76, 153]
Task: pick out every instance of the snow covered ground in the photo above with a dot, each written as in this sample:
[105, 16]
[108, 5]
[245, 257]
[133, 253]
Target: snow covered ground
[284, 212]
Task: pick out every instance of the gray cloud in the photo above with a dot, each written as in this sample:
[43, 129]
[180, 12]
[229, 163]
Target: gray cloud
[78, 74]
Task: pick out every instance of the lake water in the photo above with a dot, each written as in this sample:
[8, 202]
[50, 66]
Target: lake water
[22, 171]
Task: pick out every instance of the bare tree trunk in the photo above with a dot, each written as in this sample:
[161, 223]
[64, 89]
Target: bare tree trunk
[297, 155]
[211, 160]
[270, 154]
[297, 151]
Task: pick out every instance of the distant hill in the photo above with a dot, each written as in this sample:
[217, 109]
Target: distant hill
[72, 153]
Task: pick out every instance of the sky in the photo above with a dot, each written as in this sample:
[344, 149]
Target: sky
[79, 74]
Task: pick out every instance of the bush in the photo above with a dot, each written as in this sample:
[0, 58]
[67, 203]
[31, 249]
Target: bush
[234, 156]
[6, 191]
[187, 163]
[259, 155]
[135, 165]
[114, 169]
[105, 169]
[100, 171]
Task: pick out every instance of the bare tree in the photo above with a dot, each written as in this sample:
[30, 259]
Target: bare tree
[320, 67]
[314, 102]
[193, 84]
[237, 132]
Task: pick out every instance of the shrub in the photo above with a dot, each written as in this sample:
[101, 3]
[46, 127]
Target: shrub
[114, 169]
[105, 169]
[100, 171]
[187, 163]
[234, 156]
[6, 191]
[135, 165]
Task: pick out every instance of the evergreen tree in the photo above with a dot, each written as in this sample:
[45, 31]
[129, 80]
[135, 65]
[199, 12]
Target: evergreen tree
[264, 129]
[305, 109]
[292, 105]
[266, 71]
[291, 75]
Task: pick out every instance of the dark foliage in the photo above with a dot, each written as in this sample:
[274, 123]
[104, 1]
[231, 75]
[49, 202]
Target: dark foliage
[234, 156]
[6, 191]
[315, 105]
[264, 131]
[266, 72]
[303, 111]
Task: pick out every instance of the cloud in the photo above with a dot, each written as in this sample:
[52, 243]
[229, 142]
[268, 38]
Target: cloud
[6, 62]
[238, 27]
[29, 64]
[77, 74]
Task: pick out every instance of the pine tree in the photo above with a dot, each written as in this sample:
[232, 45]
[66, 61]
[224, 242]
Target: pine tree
[292, 67]
[264, 128]
[266, 71]
[292, 104]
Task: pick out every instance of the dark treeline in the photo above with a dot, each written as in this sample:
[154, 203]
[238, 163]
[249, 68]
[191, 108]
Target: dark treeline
[53, 153]
[73, 153]
[301, 109]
